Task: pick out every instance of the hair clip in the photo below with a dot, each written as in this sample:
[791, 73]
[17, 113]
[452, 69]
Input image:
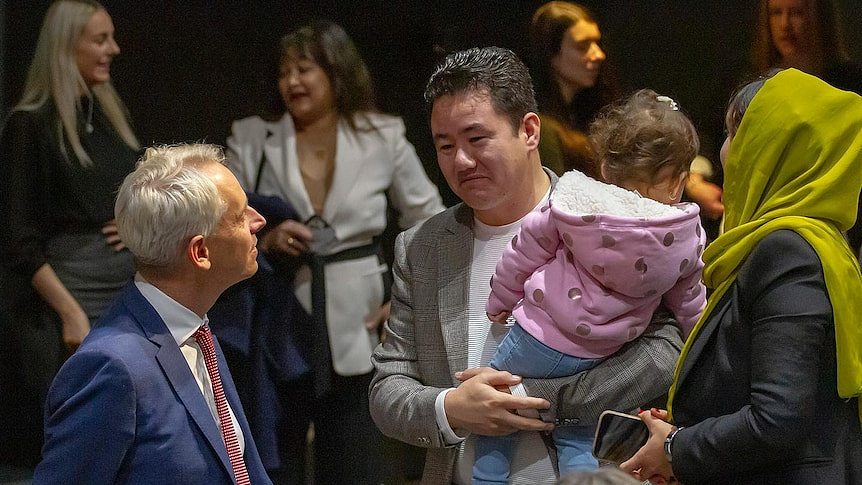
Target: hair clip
[669, 101]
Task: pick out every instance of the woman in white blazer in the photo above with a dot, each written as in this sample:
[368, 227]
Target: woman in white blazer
[336, 161]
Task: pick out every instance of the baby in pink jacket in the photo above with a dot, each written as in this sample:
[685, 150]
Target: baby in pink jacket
[587, 270]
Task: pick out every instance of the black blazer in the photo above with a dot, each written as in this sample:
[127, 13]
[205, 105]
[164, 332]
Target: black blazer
[758, 391]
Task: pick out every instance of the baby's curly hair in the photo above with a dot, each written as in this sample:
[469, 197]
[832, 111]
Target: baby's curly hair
[636, 138]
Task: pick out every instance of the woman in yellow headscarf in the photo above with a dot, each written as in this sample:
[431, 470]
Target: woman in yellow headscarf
[767, 387]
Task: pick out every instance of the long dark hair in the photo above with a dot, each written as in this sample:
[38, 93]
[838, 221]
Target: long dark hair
[327, 44]
[548, 27]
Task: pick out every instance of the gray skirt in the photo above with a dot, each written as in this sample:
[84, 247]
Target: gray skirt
[90, 269]
[31, 344]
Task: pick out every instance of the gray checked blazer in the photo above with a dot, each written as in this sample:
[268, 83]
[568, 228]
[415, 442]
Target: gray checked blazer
[426, 343]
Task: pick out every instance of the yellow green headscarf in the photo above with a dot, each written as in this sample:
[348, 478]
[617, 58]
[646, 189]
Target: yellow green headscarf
[795, 163]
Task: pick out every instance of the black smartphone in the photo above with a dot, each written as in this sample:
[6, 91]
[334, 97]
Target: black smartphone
[618, 437]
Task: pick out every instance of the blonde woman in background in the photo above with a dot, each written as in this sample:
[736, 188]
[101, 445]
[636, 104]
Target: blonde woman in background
[64, 150]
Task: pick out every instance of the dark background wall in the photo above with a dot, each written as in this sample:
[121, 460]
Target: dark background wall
[3, 63]
[187, 69]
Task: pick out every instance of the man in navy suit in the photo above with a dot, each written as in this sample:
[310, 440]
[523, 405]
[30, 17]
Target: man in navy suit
[139, 402]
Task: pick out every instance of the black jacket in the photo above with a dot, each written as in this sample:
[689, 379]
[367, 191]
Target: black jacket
[758, 390]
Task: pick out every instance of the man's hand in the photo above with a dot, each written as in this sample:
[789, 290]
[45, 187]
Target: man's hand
[478, 406]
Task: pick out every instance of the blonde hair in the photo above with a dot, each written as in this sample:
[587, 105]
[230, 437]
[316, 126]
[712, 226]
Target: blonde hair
[54, 77]
[167, 200]
[638, 137]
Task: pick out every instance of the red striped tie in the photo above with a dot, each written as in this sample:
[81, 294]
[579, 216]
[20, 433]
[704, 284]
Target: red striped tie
[205, 340]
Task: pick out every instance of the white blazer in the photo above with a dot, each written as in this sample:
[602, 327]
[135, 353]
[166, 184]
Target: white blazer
[369, 164]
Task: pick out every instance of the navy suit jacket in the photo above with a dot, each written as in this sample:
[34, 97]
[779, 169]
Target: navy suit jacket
[125, 408]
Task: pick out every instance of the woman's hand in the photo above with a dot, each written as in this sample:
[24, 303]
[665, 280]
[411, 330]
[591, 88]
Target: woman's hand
[75, 323]
[377, 317]
[650, 463]
[290, 237]
[112, 236]
[76, 326]
[705, 194]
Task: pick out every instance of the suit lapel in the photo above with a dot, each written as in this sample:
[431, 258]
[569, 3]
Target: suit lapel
[177, 371]
[453, 263]
[704, 336]
[349, 160]
[281, 152]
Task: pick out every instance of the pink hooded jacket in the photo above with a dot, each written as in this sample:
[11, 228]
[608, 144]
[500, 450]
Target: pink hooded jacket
[585, 283]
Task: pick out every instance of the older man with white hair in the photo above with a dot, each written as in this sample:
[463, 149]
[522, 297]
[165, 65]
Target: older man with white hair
[148, 397]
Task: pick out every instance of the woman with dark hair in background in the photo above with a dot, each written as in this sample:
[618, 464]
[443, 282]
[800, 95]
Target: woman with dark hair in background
[338, 162]
[64, 150]
[571, 86]
[766, 390]
[807, 35]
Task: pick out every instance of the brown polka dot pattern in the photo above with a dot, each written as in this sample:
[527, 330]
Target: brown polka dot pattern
[570, 257]
[545, 208]
[640, 265]
[668, 239]
[514, 240]
[699, 249]
[633, 333]
[582, 329]
[683, 265]
[598, 270]
[608, 241]
[575, 293]
[588, 218]
[520, 278]
[650, 293]
[545, 243]
[697, 230]
[567, 238]
[538, 296]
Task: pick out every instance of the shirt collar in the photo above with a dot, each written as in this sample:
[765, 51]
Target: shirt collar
[181, 322]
